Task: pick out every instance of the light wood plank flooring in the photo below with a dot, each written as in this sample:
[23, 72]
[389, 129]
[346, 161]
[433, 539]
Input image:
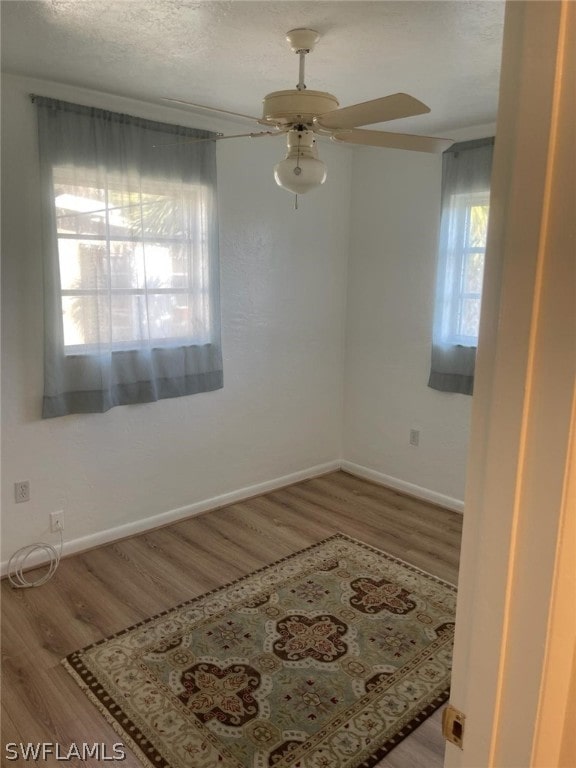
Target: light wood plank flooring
[107, 589]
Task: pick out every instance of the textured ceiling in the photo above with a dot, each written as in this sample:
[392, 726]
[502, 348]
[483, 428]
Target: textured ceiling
[230, 54]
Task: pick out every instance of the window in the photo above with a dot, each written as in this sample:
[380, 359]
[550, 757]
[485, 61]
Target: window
[127, 260]
[466, 171]
[130, 259]
[468, 226]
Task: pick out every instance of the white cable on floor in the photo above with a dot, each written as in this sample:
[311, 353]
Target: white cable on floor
[18, 560]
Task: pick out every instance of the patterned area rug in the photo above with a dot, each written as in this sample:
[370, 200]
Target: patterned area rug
[325, 659]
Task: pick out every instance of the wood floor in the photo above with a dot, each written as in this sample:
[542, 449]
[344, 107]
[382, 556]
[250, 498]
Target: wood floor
[100, 592]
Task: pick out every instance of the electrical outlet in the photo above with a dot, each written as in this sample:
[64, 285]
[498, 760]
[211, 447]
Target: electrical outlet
[22, 491]
[57, 521]
[414, 436]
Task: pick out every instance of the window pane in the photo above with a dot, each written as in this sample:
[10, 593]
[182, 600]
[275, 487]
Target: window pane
[86, 319]
[473, 273]
[125, 211]
[80, 210]
[84, 264]
[129, 321]
[169, 316]
[79, 214]
[126, 266]
[478, 225]
[166, 266]
[163, 215]
[177, 316]
[470, 317]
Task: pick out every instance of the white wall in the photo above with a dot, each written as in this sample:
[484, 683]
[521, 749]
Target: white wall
[391, 277]
[290, 402]
[283, 276]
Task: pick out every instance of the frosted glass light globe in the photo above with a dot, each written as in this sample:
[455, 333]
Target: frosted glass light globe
[299, 175]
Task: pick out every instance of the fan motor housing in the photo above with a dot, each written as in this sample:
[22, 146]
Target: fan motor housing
[293, 106]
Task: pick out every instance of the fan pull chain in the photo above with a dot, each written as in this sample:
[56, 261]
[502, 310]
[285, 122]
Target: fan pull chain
[295, 202]
[298, 169]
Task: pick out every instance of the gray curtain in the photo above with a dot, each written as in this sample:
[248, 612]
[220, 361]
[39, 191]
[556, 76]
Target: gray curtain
[130, 246]
[466, 169]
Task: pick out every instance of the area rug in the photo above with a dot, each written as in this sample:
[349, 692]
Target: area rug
[325, 659]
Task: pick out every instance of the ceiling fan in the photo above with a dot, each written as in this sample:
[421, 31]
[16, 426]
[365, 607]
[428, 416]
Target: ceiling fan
[303, 114]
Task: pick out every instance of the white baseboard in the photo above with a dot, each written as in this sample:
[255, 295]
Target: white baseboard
[174, 515]
[191, 510]
[457, 505]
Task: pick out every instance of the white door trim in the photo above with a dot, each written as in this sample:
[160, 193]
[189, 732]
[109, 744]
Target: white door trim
[519, 449]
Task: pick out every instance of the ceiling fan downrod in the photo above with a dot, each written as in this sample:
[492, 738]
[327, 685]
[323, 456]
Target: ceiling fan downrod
[301, 85]
[302, 41]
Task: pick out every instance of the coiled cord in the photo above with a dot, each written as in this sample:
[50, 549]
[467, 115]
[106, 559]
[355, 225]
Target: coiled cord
[17, 563]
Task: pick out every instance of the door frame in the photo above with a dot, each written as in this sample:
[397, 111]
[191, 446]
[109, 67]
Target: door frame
[516, 599]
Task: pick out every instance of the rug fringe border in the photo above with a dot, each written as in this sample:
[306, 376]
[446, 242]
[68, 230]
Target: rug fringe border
[405, 563]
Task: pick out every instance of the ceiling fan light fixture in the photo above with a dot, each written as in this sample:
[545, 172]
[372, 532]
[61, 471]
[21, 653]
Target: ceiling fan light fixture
[300, 175]
[301, 170]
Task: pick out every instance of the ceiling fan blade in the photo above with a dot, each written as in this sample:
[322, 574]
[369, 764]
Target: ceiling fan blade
[376, 111]
[213, 109]
[220, 137]
[393, 140]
